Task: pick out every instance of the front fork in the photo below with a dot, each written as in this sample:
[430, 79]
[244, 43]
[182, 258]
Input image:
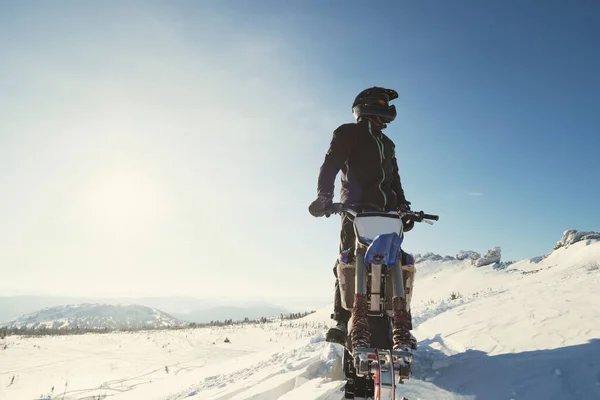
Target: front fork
[360, 335]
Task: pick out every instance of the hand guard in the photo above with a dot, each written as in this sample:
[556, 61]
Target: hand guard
[403, 208]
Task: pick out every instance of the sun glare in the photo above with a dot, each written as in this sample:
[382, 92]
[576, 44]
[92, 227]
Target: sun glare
[121, 203]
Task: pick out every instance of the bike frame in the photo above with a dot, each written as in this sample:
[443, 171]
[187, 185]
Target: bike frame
[378, 258]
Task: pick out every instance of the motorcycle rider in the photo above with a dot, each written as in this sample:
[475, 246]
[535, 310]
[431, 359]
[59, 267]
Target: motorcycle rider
[369, 181]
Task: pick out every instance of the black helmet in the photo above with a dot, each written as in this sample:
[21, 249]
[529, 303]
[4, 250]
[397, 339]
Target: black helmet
[375, 102]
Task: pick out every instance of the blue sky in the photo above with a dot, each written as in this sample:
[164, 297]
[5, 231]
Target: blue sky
[173, 147]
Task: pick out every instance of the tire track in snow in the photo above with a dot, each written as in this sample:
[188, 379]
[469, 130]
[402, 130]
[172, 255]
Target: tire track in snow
[279, 375]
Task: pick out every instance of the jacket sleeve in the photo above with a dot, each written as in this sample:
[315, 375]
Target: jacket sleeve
[397, 184]
[339, 151]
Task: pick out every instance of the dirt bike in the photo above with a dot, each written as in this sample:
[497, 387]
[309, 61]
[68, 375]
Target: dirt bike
[376, 287]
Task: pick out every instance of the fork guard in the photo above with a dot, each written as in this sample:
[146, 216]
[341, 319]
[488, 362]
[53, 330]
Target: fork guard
[346, 275]
[385, 249]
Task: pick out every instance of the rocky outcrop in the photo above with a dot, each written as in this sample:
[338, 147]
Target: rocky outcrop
[502, 265]
[573, 236]
[468, 255]
[492, 257]
[428, 257]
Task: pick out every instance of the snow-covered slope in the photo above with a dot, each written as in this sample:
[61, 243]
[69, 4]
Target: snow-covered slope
[97, 316]
[528, 331]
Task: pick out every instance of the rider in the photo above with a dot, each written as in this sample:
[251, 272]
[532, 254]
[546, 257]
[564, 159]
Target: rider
[370, 179]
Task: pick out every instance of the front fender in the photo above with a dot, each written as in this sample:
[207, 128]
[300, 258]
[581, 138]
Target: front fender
[385, 249]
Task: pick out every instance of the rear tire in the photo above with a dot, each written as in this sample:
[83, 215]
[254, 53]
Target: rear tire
[381, 333]
[381, 338]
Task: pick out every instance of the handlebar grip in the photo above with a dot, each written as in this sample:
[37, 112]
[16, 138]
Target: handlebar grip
[431, 216]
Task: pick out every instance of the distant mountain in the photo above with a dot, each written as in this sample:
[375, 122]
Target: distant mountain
[97, 316]
[12, 307]
[220, 313]
[189, 308]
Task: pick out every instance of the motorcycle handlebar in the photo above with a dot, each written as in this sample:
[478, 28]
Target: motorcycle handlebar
[417, 216]
[431, 217]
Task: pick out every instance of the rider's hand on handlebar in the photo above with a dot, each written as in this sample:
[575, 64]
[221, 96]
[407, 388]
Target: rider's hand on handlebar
[318, 207]
[404, 207]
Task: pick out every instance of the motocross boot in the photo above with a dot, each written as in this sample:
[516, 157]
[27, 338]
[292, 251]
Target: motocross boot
[337, 334]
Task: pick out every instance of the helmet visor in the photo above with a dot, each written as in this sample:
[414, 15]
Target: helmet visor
[377, 99]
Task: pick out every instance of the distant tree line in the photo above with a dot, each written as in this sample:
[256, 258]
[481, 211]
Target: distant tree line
[297, 315]
[261, 320]
[45, 331]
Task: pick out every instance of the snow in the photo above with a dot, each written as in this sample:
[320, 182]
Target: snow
[529, 331]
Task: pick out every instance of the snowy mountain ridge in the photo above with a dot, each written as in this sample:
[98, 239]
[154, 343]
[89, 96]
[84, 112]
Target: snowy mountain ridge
[572, 236]
[494, 255]
[96, 316]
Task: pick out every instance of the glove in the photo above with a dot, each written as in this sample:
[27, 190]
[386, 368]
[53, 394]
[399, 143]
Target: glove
[404, 207]
[317, 208]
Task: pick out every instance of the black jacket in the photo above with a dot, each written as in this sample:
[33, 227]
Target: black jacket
[367, 160]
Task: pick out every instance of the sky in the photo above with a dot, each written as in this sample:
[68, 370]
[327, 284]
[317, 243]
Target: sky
[172, 148]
